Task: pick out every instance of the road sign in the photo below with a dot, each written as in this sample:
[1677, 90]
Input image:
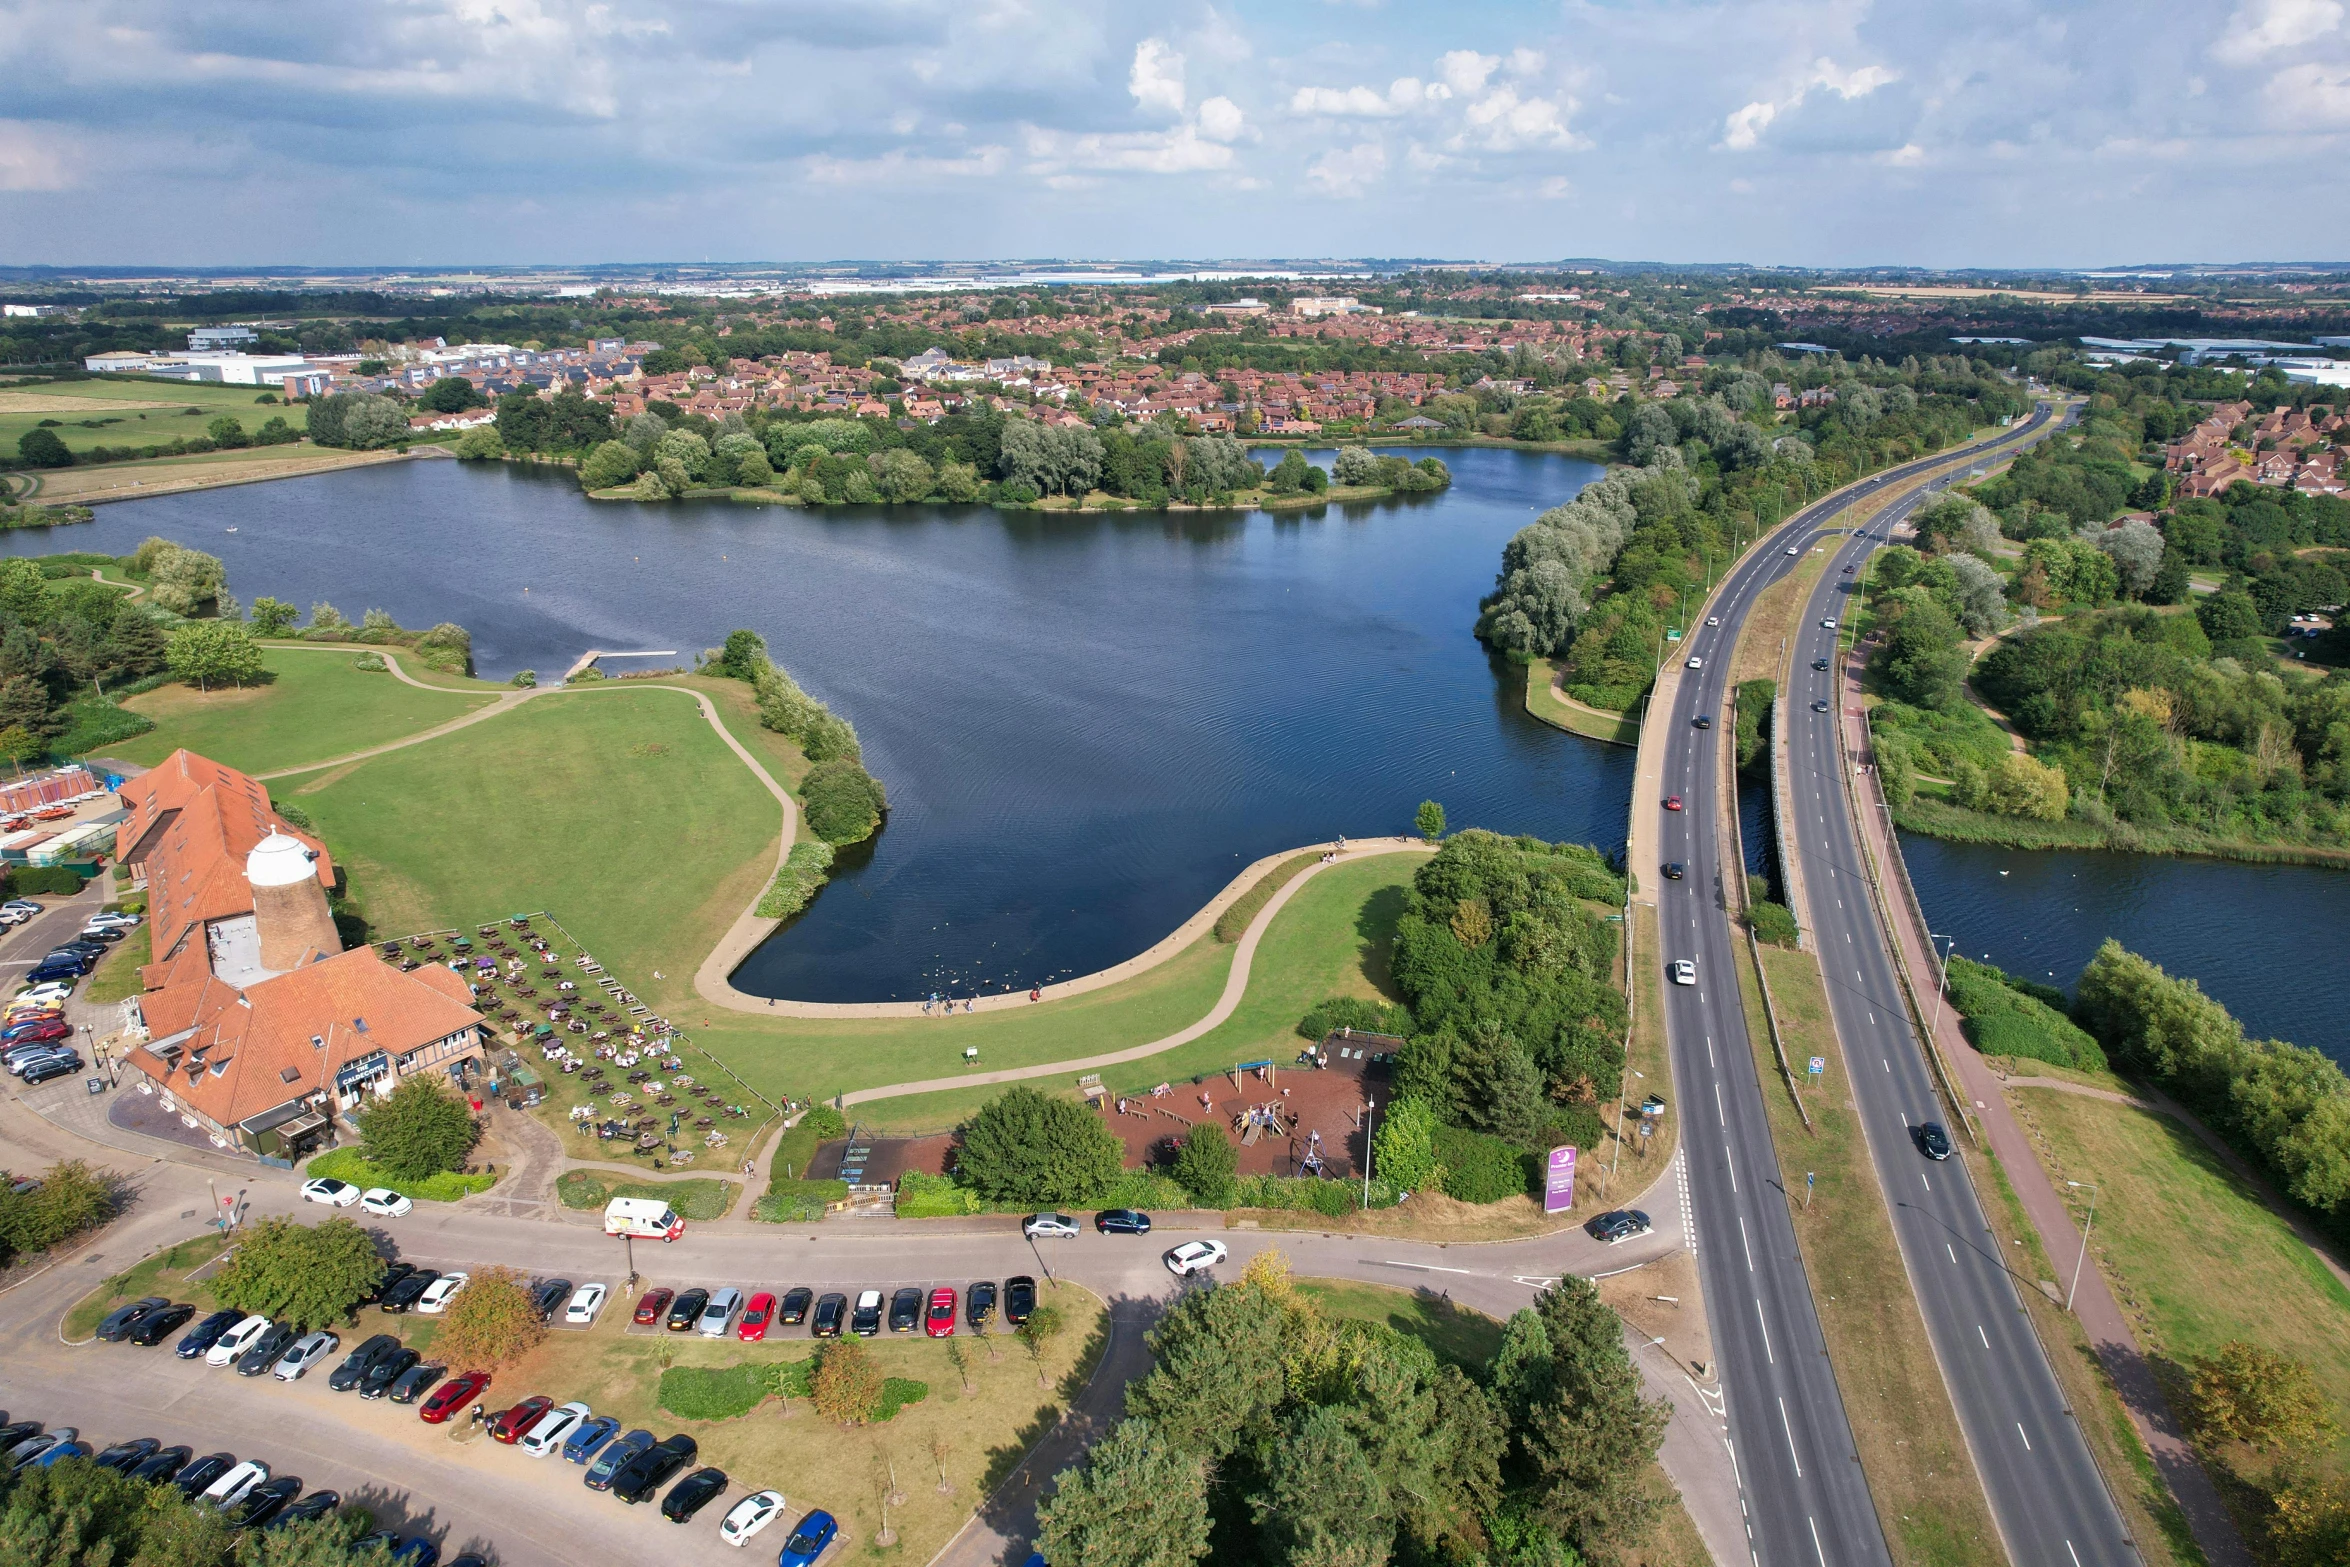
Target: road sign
[1673, 635]
[1819, 1064]
[1558, 1189]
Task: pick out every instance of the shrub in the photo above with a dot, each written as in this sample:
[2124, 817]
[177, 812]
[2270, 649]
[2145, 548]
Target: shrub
[800, 1202]
[1025, 1147]
[724, 1392]
[2005, 1017]
[847, 1386]
[1305, 1194]
[71, 1198]
[824, 1123]
[1359, 1013]
[490, 1321]
[372, 663]
[58, 879]
[1479, 1168]
[1206, 1164]
[801, 877]
[349, 1164]
[922, 1196]
[1772, 922]
[843, 801]
[1404, 1153]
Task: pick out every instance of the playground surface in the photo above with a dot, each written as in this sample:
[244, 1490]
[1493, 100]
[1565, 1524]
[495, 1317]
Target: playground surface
[1289, 1104]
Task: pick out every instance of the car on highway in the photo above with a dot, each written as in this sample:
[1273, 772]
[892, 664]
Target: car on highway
[513, 1421]
[1619, 1226]
[1673, 870]
[355, 1365]
[1828, 624]
[385, 1372]
[614, 1458]
[452, 1396]
[1794, 549]
[865, 1321]
[686, 1310]
[1684, 972]
[151, 1329]
[1122, 1221]
[652, 1305]
[905, 1309]
[405, 1294]
[750, 1515]
[328, 1190]
[438, 1293]
[758, 1312]
[548, 1295]
[1194, 1256]
[1713, 620]
[1848, 568]
[122, 1319]
[718, 1316]
[979, 1303]
[589, 1438]
[1933, 1142]
[1694, 663]
[829, 1312]
[123, 1457]
[1038, 1226]
[1819, 663]
[1819, 706]
[263, 1355]
[47, 1067]
[194, 1478]
[1672, 802]
[162, 1466]
[225, 1492]
[693, 1493]
[793, 1309]
[308, 1510]
[1019, 1298]
[586, 1301]
[385, 1203]
[938, 1319]
[413, 1383]
[644, 1474]
[233, 1343]
[302, 1354]
[548, 1432]
[264, 1502]
[206, 1333]
[1703, 721]
[811, 1539]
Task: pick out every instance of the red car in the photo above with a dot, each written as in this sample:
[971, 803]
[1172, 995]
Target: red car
[452, 1396]
[508, 1427]
[652, 1306]
[756, 1316]
[939, 1320]
[35, 1031]
[1672, 802]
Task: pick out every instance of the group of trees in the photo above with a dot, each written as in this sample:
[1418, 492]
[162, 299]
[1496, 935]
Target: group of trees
[844, 803]
[417, 1131]
[361, 421]
[75, 1514]
[67, 1199]
[1269, 1432]
[65, 640]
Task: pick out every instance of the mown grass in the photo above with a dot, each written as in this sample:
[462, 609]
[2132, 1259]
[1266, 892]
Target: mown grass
[165, 1273]
[316, 707]
[694, 1199]
[1459, 1335]
[1544, 702]
[349, 1164]
[108, 406]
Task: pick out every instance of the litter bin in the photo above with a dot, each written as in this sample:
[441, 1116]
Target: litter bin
[97, 1084]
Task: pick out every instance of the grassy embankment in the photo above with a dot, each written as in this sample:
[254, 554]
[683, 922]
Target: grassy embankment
[107, 412]
[1544, 701]
[316, 706]
[696, 1199]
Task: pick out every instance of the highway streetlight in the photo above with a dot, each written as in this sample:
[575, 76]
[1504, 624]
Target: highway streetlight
[1941, 979]
[2085, 1229]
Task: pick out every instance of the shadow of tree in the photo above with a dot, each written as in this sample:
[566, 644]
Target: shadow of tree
[1375, 925]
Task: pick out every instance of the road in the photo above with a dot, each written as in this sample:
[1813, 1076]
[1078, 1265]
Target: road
[2045, 1491]
[1800, 1479]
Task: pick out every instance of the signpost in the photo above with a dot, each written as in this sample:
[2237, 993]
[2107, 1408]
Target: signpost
[1818, 1065]
[1558, 1187]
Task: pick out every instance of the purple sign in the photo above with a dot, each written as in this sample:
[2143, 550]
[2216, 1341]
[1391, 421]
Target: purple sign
[1558, 1189]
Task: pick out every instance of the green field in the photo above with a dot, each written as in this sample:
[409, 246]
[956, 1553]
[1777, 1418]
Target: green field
[107, 412]
[316, 708]
[1466, 1338]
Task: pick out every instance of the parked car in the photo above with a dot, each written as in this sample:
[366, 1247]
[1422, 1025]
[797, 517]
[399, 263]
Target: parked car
[793, 1309]
[401, 1296]
[123, 1318]
[547, 1433]
[693, 1493]
[43, 1070]
[393, 1273]
[258, 1359]
[548, 1295]
[264, 1502]
[617, 1455]
[905, 1309]
[438, 1293]
[388, 1368]
[225, 1492]
[586, 1301]
[509, 1426]
[385, 1203]
[589, 1438]
[415, 1382]
[196, 1477]
[865, 1321]
[26, 1451]
[356, 1364]
[750, 1515]
[15, 1432]
[979, 1303]
[230, 1345]
[1194, 1257]
[938, 1320]
[756, 1315]
[206, 1333]
[1122, 1221]
[106, 933]
[652, 1305]
[417, 1551]
[718, 1316]
[829, 1312]
[647, 1471]
[151, 1329]
[1621, 1225]
[303, 1353]
[452, 1396]
[1933, 1142]
[686, 1310]
[316, 1505]
[126, 1456]
[1019, 1299]
[58, 1453]
[21, 906]
[1037, 1226]
[117, 920]
[810, 1540]
[163, 1465]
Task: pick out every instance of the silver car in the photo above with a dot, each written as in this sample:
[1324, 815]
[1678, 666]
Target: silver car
[305, 1352]
[718, 1316]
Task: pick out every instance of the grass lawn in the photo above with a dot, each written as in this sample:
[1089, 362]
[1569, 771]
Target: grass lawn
[348, 1164]
[1545, 702]
[143, 413]
[696, 1199]
[1460, 1336]
[317, 707]
[116, 978]
[165, 1273]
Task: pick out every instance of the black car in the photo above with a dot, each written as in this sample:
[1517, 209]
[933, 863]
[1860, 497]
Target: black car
[693, 1493]
[413, 1383]
[865, 1320]
[123, 1318]
[1673, 870]
[316, 1505]
[905, 1310]
[267, 1349]
[829, 1312]
[163, 1465]
[979, 1303]
[18, 1431]
[151, 1329]
[386, 1369]
[403, 1295]
[1622, 1225]
[642, 1475]
[197, 1477]
[384, 1286]
[1703, 721]
[356, 1364]
[1819, 663]
[52, 1066]
[794, 1309]
[264, 1502]
[1019, 1299]
[205, 1334]
[550, 1294]
[1122, 1221]
[127, 1456]
[1933, 1142]
[686, 1310]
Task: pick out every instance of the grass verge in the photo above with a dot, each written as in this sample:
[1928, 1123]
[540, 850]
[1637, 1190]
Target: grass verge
[1545, 702]
[315, 707]
[1459, 1335]
[694, 1199]
[349, 1164]
[1939, 819]
[164, 1273]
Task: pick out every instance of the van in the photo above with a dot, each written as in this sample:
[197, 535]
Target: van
[718, 1316]
[645, 1217]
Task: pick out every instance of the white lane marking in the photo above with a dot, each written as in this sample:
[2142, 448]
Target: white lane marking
[1744, 1244]
[2075, 1555]
[1823, 1555]
[2026, 1435]
[1733, 1169]
[1424, 1267]
[1766, 1332]
[1922, 1177]
[1720, 1114]
[1985, 1337]
[1709, 1050]
[1946, 1246]
[1786, 1426]
[1887, 1065]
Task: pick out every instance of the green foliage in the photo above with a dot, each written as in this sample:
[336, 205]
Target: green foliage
[925, 1196]
[38, 448]
[803, 874]
[801, 1201]
[1404, 1149]
[1754, 712]
[2005, 1017]
[696, 1199]
[1773, 923]
[847, 1385]
[1479, 1168]
[725, 1392]
[2249, 1394]
[71, 1200]
[349, 1164]
[417, 1131]
[1428, 820]
[1586, 1433]
[178, 579]
[206, 653]
[1359, 1013]
[1025, 1147]
[308, 1275]
[1207, 1163]
[844, 803]
[491, 1321]
[272, 617]
[1136, 1501]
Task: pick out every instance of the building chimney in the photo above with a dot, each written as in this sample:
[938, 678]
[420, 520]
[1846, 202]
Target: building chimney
[289, 906]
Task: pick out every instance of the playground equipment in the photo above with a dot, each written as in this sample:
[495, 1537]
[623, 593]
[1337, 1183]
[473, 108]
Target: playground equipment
[1256, 1120]
[1312, 1163]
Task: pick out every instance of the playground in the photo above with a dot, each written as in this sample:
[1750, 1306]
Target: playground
[1284, 1117]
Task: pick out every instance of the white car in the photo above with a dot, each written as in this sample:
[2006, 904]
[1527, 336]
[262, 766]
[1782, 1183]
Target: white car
[753, 1513]
[435, 1298]
[586, 1301]
[304, 1353]
[225, 1492]
[1193, 1256]
[384, 1203]
[1041, 1224]
[117, 921]
[549, 1431]
[1684, 972]
[1713, 620]
[1794, 549]
[50, 991]
[1827, 625]
[236, 1341]
[13, 917]
[328, 1190]
[1696, 663]
[20, 906]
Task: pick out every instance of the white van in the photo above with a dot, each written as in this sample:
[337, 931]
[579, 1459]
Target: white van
[646, 1217]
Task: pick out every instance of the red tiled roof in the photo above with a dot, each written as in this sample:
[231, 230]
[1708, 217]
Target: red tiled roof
[196, 865]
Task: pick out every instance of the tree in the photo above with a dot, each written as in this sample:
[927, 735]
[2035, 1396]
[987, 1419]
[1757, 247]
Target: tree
[1207, 1163]
[1588, 1435]
[371, 422]
[1025, 1147]
[1405, 1150]
[1327, 1503]
[304, 1274]
[1923, 661]
[1137, 1501]
[612, 463]
[205, 653]
[491, 1321]
[2019, 786]
[1219, 1376]
[1429, 819]
[1036, 1335]
[744, 656]
[2136, 548]
[2228, 616]
[38, 448]
[451, 394]
[1982, 597]
[272, 617]
[687, 449]
[847, 1383]
[16, 743]
[482, 443]
[2253, 1395]
[843, 801]
[226, 433]
[901, 475]
[70, 1199]
[1355, 465]
[179, 579]
[418, 1131]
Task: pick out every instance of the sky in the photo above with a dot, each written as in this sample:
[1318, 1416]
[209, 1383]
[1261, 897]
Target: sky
[1964, 133]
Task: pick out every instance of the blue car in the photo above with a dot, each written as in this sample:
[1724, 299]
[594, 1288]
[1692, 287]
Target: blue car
[591, 1435]
[419, 1552]
[808, 1541]
[207, 1333]
[615, 1454]
[61, 1451]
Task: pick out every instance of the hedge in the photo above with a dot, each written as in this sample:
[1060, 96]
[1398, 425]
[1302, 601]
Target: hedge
[1773, 923]
[2002, 1016]
[923, 1196]
[695, 1199]
[797, 1201]
[801, 877]
[1233, 923]
[1479, 1168]
[348, 1164]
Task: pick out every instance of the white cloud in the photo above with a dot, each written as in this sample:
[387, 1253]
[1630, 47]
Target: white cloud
[2310, 95]
[1501, 121]
[1743, 128]
[1465, 70]
[2262, 27]
[1907, 156]
[1179, 151]
[1555, 188]
[1220, 119]
[901, 166]
[1849, 85]
[32, 158]
[1403, 95]
[1349, 171]
[1157, 77]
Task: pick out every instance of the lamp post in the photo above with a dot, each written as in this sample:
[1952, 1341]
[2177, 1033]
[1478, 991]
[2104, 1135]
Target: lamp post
[2085, 1230]
[1941, 979]
[1370, 1109]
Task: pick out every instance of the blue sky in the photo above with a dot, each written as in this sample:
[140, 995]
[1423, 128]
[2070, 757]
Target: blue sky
[399, 132]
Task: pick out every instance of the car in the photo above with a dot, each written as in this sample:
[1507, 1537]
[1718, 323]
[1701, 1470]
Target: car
[236, 1341]
[1039, 1225]
[43, 1070]
[1122, 1221]
[1703, 721]
[810, 1540]
[1194, 1256]
[125, 1456]
[547, 1433]
[21, 906]
[1819, 707]
[264, 1502]
[1619, 1226]
[979, 1303]
[718, 1316]
[1848, 568]
[49, 988]
[793, 1309]
[829, 1312]
[1019, 1298]
[310, 1508]
[1674, 870]
[416, 1552]
[328, 1190]
[195, 1477]
[58, 1453]
[905, 1310]
[452, 1396]
[100, 933]
[642, 1475]
[31, 1448]
[756, 1316]
[548, 1295]
[1713, 620]
[225, 1492]
[865, 1321]
[693, 1493]
[36, 1055]
[114, 920]
[1819, 663]
[748, 1516]
[589, 1437]
[686, 1310]
[405, 1294]
[413, 1383]
[1684, 972]
[123, 1318]
[1794, 549]
[1672, 802]
[1934, 1142]
[1694, 663]
[265, 1350]
[938, 1320]
[162, 1466]
[391, 1276]
[512, 1422]
[16, 1432]
[616, 1456]
[586, 1301]
[206, 1333]
[385, 1203]
[150, 1329]
[438, 1293]
[652, 1305]
[1828, 624]
[38, 1029]
[356, 1364]
[303, 1353]
[388, 1368]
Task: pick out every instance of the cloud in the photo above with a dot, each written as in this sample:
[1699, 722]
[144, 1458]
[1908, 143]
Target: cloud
[1465, 70]
[2261, 28]
[1157, 77]
[1403, 95]
[1220, 119]
[1182, 150]
[1743, 128]
[1501, 121]
[35, 158]
[1349, 171]
[903, 166]
[1907, 156]
[2310, 96]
